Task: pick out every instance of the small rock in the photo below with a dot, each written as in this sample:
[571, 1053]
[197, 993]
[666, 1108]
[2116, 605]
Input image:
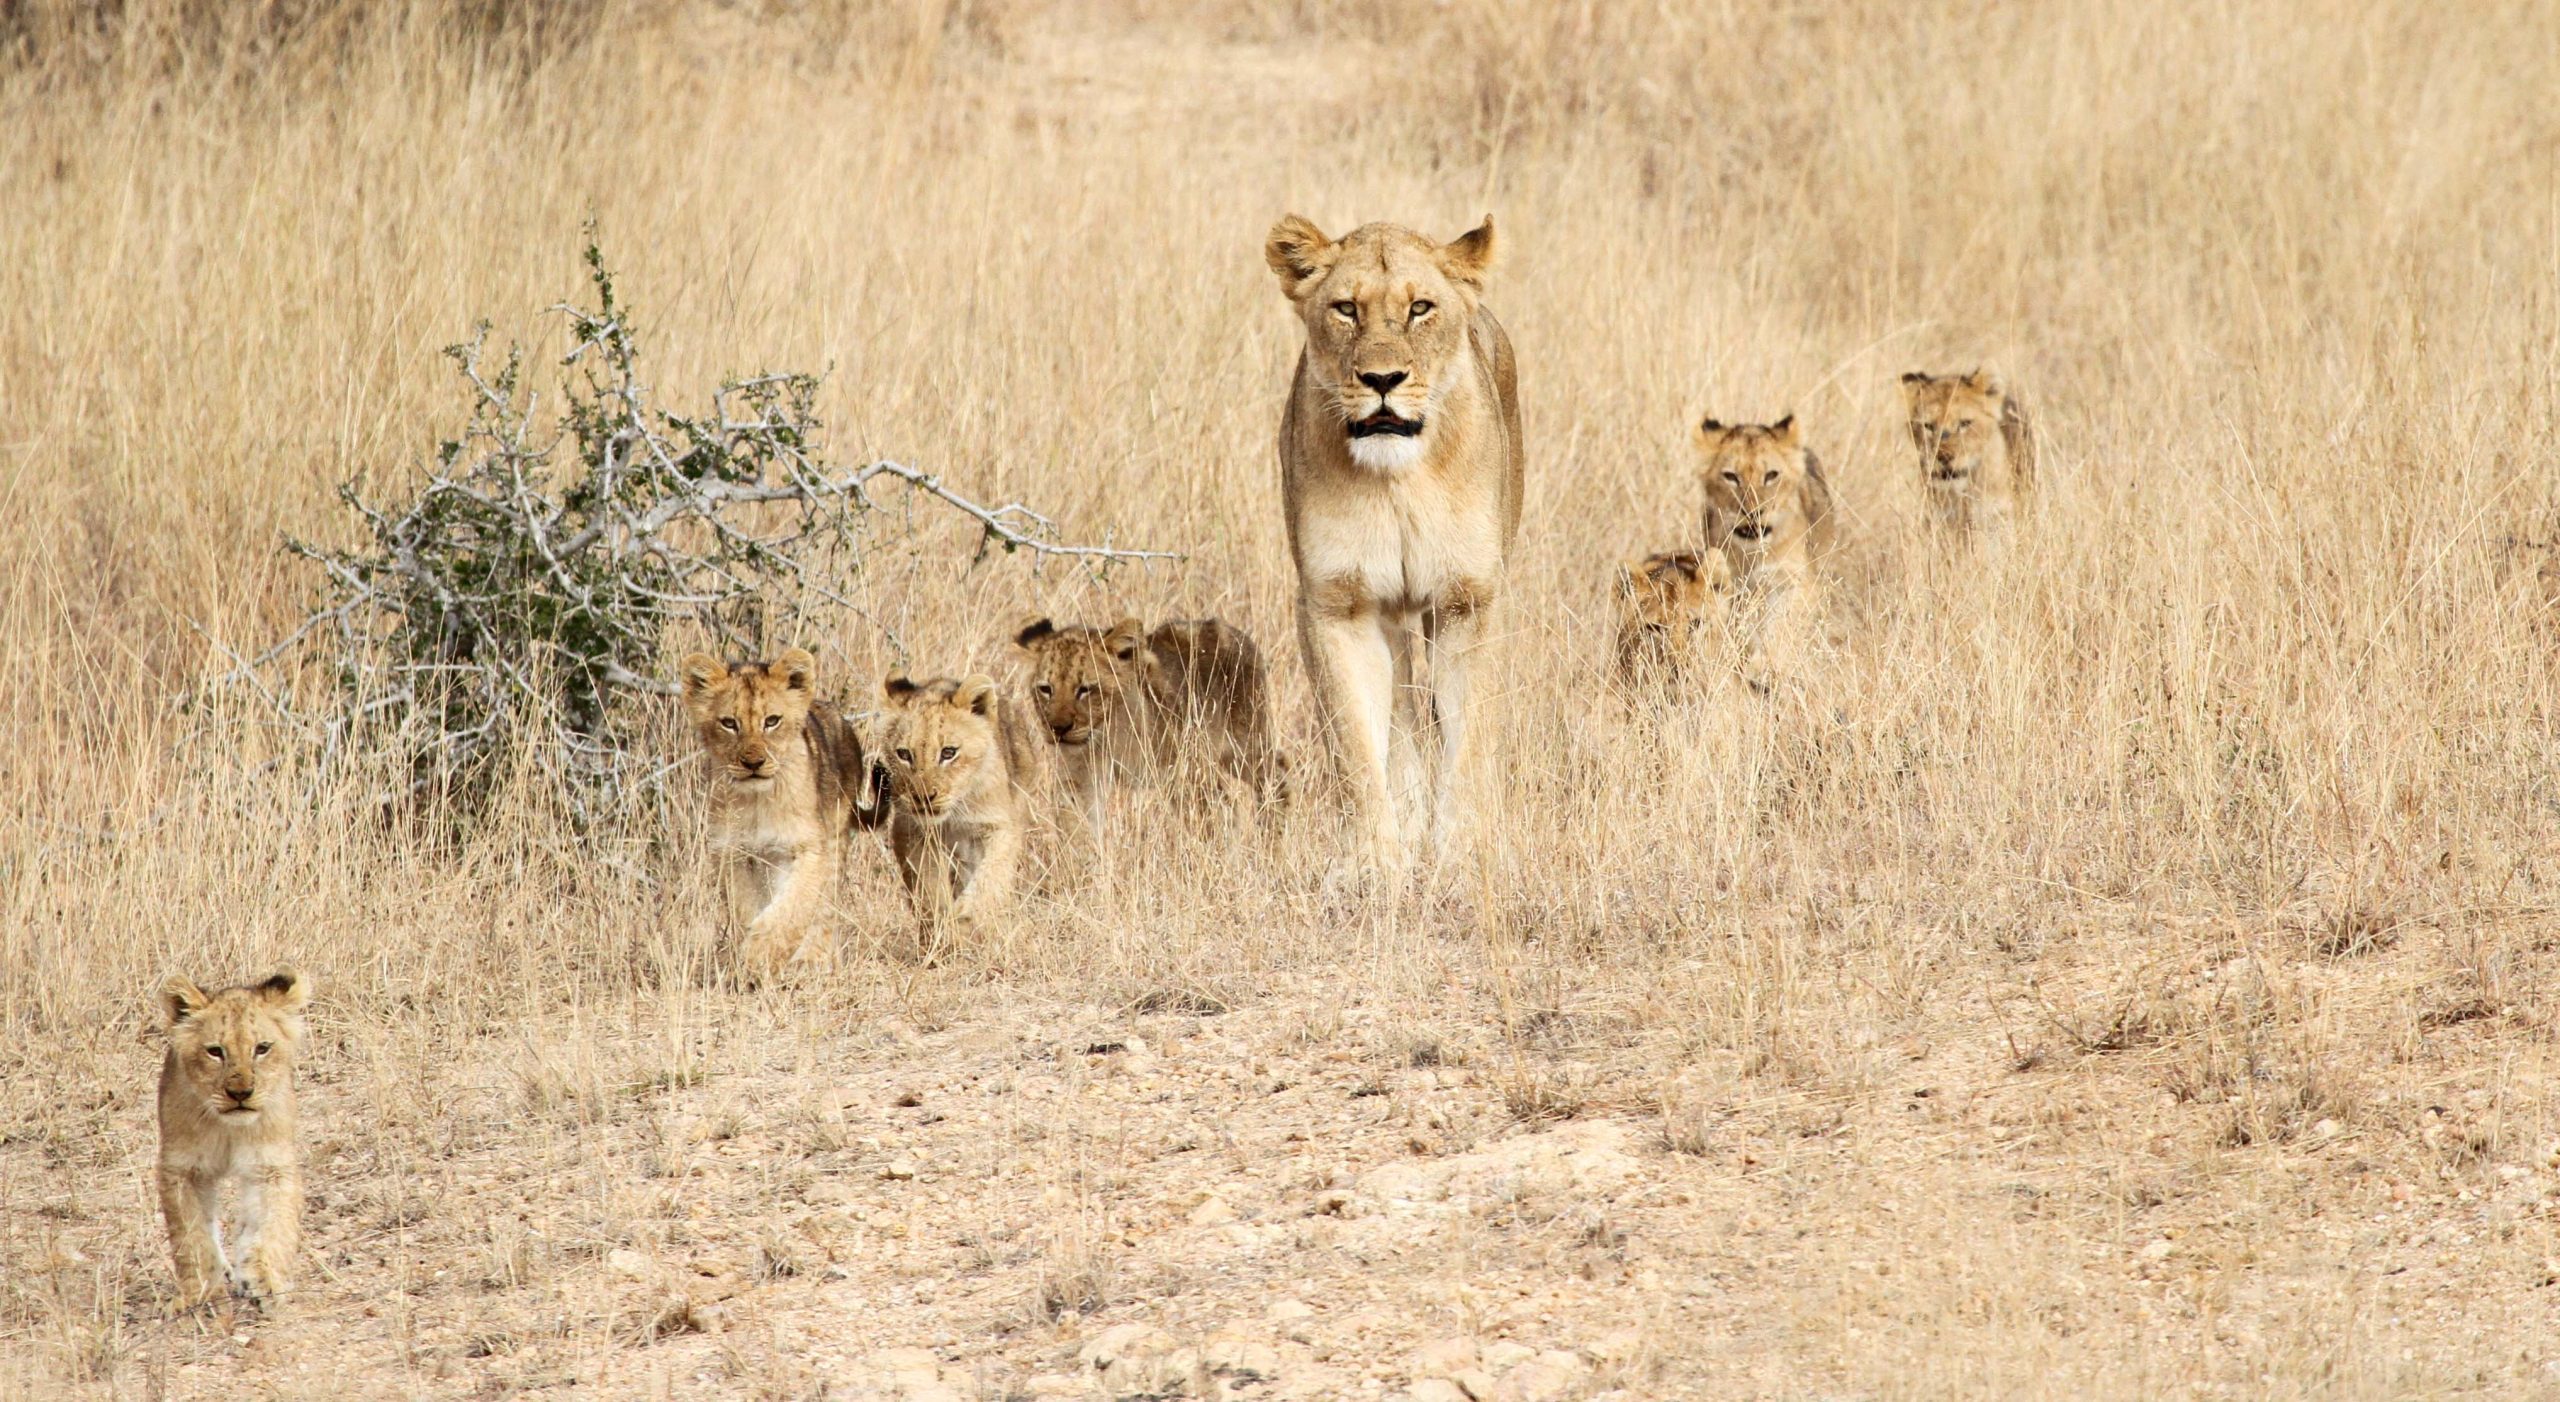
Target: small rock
[1539, 1381]
[1122, 1342]
[1502, 1355]
[1444, 1358]
[2159, 1249]
[1054, 1385]
[625, 1261]
[1282, 1311]
[1214, 1212]
[1435, 1390]
[898, 1170]
[1474, 1382]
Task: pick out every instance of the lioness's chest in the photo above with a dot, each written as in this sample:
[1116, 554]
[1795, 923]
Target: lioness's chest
[1403, 538]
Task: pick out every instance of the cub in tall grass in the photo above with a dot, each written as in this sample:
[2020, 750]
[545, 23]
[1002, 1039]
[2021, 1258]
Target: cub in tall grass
[227, 1120]
[1977, 453]
[959, 759]
[1768, 510]
[789, 784]
[1672, 621]
[1122, 704]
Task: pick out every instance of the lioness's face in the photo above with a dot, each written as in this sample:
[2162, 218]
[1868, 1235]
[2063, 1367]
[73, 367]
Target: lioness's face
[939, 735]
[1386, 312]
[1079, 674]
[1754, 480]
[1955, 423]
[1671, 595]
[236, 1047]
[747, 717]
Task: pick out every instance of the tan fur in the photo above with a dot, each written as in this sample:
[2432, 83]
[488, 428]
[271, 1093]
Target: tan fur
[956, 811]
[1767, 508]
[1392, 531]
[1977, 451]
[227, 1119]
[1672, 617]
[1121, 704]
[789, 781]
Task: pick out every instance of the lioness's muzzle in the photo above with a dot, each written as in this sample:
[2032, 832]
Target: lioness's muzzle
[1385, 424]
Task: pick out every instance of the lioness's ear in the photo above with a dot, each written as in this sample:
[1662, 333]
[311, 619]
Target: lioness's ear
[797, 668]
[977, 696]
[180, 999]
[1033, 630]
[284, 988]
[701, 672]
[898, 686]
[1469, 257]
[1124, 637]
[1786, 432]
[1300, 253]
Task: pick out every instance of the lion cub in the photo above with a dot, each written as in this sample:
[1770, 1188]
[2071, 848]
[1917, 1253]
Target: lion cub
[1977, 452]
[1121, 702]
[789, 782]
[957, 760]
[1768, 510]
[1672, 617]
[227, 1119]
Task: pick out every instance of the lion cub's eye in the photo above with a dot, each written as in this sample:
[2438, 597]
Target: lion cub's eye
[1734, 477]
[730, 724]
[907, 756]
[950, 753]
[214, 1052]
[1348, 311]
[1042, 688]
[771, 721]
[265, 1047]
[1084, 690]
[1770, 477]
[1419, 310]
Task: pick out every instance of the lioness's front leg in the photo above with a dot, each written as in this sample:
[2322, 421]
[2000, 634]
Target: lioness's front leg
[1451, 630]
[187, 1203]
[1352, 669]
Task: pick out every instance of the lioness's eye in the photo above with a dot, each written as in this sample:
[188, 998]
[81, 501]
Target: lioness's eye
[214, 1052]
[908, 756]
[730, 724]
[950, 753]
[771, 721]
[1420, 310]
[265, 1047]
[1348, 311]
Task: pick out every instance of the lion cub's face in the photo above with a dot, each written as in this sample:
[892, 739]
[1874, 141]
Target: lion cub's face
[1672, 595]
[1754, 475]
[747, 717]
[1080, 674]
[1956, 425]
[1386, 312]
[941, 738]
[234, 1049]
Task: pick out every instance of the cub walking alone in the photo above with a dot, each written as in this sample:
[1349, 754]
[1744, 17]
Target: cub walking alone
[227, 1121]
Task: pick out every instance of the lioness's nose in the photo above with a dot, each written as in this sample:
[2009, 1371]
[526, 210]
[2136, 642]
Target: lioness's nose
[236, 1092]
[1382, 380]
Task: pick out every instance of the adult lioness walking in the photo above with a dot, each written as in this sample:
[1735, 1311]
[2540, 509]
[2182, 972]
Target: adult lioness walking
[1400, 472]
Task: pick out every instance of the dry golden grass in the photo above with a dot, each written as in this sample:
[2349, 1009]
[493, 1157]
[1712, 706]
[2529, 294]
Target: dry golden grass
[2126, 975]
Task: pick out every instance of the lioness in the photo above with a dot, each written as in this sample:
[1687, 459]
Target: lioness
[956, 811]
[1768, 509]
[1672, 615]
[227, 1118]
[1121, 702]
[789, 782]
[1977, 451]
[1400, 474]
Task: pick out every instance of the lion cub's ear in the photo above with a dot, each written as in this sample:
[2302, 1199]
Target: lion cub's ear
[1300, 253]
[1631, 574]
[797, 668]
[1467, 258]
[1124, 637]
[1710, 430]
[898, 686]
[701, 671]
[977, 696]
[1914, 385]
[180, 999]
[1786, 432]
[284, 988]
[1986, 383]
[1683, 562]
[1033, 629]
